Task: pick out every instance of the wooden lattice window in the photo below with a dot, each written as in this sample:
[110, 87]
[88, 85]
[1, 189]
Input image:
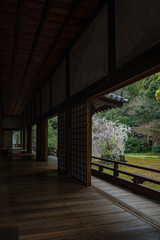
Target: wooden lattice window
[62, 141]
[79, 142]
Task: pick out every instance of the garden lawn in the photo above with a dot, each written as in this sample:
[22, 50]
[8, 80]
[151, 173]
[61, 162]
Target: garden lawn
[145, 161]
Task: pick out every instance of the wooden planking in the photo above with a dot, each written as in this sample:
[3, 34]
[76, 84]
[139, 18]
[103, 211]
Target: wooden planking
[45, 204]
[7, 233]
[146, 206]
[56, 48]
[33, 43]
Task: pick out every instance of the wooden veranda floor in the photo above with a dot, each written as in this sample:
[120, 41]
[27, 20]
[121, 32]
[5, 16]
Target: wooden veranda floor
[143, 207]
[46, 204]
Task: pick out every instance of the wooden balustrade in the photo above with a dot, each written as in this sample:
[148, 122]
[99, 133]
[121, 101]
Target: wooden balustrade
[137, 179]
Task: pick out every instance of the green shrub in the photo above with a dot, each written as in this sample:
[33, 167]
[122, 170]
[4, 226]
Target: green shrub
[52, 151]
[156, 149]
[135, 145]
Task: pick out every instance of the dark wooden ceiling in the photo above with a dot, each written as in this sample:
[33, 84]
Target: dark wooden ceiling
[34, 35]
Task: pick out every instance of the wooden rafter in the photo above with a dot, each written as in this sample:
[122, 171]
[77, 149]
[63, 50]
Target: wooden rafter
[18, 22]
[37, 35]
[50, 50]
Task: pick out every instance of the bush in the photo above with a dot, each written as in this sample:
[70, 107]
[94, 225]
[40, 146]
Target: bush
[52, 151]
[135, 145]
[156, 149]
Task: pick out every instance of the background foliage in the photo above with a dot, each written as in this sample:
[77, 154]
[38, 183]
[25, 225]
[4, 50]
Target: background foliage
[53, 135]
[141, 113]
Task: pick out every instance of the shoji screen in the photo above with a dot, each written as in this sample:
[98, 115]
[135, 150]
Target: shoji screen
[62, 158]
[80, 150]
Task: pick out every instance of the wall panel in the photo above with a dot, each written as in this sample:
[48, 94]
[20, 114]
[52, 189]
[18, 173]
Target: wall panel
[89, 56]
[29, 113]
[45, 98]
[59, 85]
[12, 122]
[7, 139]
[137, 28]
[33, 110]
[37, 105]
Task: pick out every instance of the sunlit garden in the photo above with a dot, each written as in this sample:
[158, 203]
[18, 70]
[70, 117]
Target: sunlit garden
[131, 133]
[53, 136]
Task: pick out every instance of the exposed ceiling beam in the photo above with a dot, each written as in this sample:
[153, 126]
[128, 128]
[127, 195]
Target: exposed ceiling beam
[37, 35]
[50, 50]
[15, 44]
[111, 37]
[94, 13]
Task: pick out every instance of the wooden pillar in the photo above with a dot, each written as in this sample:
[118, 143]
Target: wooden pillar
[42, 141]
[1, 138]
[24, 138]
[21, 138]
[89, 142]
[29, 139]
[68, 141]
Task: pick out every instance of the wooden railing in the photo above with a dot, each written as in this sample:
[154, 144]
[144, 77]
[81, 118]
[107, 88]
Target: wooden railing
[137, 179]
[16, 145]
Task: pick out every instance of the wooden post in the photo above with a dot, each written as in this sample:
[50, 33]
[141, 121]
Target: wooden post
[1, 138]
[68, 140]
[45, 139]
[100, 169]
[38, 143]
[29, 139]
[42, 141]
[24, 139]
[21, 137]
[89, 142]
[136, 180]
[116, 174]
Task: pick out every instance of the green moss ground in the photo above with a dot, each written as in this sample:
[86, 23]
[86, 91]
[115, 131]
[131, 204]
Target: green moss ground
[142, 160]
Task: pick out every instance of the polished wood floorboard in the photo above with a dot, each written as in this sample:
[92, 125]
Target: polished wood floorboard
[45, 204]
[146, 205]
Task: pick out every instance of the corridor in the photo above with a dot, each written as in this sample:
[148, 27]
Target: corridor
[43, 203]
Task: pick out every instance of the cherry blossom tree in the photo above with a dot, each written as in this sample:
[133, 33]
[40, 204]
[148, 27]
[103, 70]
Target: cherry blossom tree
[108, 138]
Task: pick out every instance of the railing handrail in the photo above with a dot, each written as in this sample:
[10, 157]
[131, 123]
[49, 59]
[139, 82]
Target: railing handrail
[128, 173]
[128, 164]
[107, 167]
[140, 176]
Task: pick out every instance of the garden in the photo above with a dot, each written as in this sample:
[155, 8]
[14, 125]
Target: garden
[131, 131]
[53, 136]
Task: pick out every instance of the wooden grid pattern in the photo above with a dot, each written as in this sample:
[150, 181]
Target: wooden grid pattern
[79, 142]
[62, 141]
[35, 35]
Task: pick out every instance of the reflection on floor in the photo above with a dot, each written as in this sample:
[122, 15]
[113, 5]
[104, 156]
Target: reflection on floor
[45, 204]
[53, 160]
[138, 204]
